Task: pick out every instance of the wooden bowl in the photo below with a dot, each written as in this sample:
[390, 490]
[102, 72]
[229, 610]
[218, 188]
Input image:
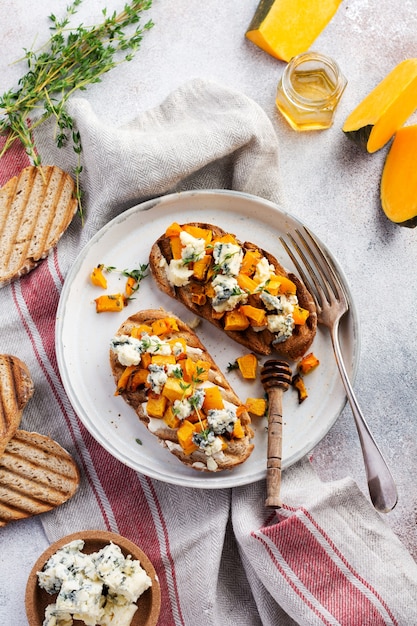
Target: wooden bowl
[149, 603]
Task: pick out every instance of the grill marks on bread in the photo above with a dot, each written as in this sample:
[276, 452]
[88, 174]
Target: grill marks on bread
[16, 388]
[36, 475]
[36, 208]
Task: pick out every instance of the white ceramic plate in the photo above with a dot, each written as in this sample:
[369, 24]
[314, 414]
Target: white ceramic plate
[83, 338]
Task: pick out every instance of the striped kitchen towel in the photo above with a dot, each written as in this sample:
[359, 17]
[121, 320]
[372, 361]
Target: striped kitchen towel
[326, 557]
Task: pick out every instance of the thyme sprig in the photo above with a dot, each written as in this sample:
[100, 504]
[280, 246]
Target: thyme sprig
[69, 61]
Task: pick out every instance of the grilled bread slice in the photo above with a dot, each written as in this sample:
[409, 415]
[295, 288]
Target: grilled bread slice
[36, 208]
[16, 388]
[178, 392]
[36, 475]
[239, 287]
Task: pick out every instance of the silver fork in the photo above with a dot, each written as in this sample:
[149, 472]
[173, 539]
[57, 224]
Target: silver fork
[332, 303]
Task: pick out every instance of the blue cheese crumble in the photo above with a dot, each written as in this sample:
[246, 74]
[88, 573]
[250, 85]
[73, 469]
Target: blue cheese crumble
[129, 350]
[194, 248]
[228, 294]
[99, 589]
[227, 258]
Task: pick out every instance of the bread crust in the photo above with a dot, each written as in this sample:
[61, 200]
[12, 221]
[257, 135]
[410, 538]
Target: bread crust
[237, 451]
[16, 388]
[260, 342]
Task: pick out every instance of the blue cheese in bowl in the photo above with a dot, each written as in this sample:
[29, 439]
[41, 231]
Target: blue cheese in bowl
[99, 588]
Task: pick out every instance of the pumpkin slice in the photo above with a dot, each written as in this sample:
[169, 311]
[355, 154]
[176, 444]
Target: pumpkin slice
[285, 28]
[399, 179]
[385, 109]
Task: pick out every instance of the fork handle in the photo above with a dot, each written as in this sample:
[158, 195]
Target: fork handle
[381, 484]
[273, 467]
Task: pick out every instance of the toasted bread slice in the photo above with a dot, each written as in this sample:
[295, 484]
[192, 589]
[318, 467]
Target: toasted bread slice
[278, 332]
[174, 402]
[16, 388]
[36, 475]
[36, 208]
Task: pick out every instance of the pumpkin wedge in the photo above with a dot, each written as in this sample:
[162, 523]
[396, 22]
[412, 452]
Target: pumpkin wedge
[399, 179]
[385, 109]
[285, 28]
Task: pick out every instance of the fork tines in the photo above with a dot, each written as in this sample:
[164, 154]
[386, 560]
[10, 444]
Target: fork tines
[314, 265]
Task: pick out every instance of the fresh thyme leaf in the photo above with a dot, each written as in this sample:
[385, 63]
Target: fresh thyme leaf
[232, 366]
[195, 379]
[137, 274]
[69, 61]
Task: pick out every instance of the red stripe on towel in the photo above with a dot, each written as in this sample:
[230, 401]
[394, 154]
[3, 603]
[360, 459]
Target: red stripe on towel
[13, 161]
[311, 567]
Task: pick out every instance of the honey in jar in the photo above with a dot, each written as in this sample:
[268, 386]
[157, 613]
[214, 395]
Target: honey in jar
[309, 91]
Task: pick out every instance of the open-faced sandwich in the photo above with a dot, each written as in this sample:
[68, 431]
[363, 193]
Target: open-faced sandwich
[238, 287]
[178, 392]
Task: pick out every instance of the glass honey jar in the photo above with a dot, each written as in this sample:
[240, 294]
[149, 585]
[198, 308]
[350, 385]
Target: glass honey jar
[309, 91]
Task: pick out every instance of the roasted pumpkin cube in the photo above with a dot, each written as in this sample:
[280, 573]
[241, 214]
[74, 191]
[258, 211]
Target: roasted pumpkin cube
[200, 267]
[213, 399]
[97, 277]
[255, 315]
[188, 369]
[123, 382]
[131, 286]
[156, 405]
[175, 389]
[210, 293]
[173, 230]
[137, 379]
[146, 360]
[298, 383]
[273, 285]
[238, 430]
[201, 371]
[250, 261]
[256, 406]
[300, 315]
[227, 238]
[163, 359]
[287, 286]
[185, 437]
[246, 283]
[235, 320]
[138, 330]
[176, 247]
[170, 419]
[199, 233]
[112, 303]
[198, 298]
[248, 365]
[164, 326]
[174, 343]
[308, 363]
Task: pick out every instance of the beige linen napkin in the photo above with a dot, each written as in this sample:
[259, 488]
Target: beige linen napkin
[221, 558]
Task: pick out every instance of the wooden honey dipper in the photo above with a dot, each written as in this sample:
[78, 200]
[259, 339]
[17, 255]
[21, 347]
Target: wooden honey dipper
[275, 378]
